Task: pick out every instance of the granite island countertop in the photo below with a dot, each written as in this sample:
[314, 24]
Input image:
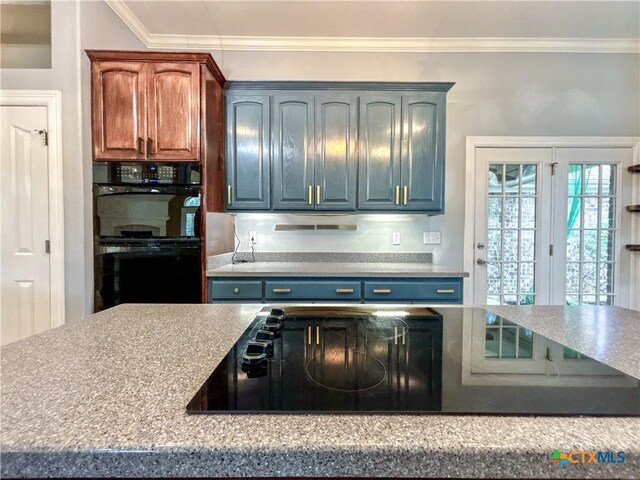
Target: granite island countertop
[333, 269]
[106, 396]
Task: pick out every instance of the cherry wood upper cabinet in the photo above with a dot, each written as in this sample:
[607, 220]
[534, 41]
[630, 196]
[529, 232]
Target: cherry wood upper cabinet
[118, 110]
[173, 111]
[147, 105]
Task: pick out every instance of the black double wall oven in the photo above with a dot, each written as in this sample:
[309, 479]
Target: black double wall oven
[147, 238]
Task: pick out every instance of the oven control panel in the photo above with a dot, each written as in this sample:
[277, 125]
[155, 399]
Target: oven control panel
[146, 173]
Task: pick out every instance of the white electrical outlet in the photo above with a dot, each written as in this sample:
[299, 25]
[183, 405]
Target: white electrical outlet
[431, 238]
[396, 238]
[253, 238]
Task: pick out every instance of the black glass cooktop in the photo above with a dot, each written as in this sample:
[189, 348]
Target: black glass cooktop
[415, 360]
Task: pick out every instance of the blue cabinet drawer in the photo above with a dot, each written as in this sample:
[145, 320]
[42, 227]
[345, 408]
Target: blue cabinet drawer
[235, 290]
[312, 290]
[435, 290]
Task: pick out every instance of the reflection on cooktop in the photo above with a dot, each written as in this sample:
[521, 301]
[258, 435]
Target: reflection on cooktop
[361, 359]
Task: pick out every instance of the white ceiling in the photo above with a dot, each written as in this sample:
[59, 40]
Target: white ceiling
[374, 25]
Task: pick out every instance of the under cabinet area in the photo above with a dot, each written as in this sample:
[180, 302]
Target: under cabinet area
[305, 147]
[354, 289]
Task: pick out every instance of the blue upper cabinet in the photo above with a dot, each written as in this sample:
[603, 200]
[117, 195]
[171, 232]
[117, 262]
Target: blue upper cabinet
[336, 149]
[379, 152]
[423, 152]
[293, 154]
[336, 146]
[247, 152]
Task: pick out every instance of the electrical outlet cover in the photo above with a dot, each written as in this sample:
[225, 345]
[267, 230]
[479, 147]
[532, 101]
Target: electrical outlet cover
[396, 238]
[431, 238]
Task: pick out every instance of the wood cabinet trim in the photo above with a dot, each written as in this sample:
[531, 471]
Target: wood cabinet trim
[151, 57]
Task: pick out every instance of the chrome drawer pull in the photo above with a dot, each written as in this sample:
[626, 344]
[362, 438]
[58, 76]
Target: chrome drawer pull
[281, 290]
[236, 290]
[344, 290]
[381, 290]
[448, 290]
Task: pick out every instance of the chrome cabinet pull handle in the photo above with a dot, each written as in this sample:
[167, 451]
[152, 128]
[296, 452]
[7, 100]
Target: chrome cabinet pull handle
[446, 290]
[236, 290]
[317, 335]
[405, 194]
[228, 194]
[318, 194]
[281, 290]
[310, 195]
[397, 194]
[309, 335]
[344, 290]
[381, 290]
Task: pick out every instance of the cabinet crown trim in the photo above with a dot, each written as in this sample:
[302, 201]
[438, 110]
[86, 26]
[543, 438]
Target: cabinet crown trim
[355, 86]
[150, 57]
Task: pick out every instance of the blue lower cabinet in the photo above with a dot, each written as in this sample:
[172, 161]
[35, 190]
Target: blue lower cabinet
[235, 290]
[312, 290]
[273, 290]
[434, 290]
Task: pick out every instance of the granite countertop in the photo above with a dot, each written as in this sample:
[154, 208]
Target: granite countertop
[333, 269]
[106, 396]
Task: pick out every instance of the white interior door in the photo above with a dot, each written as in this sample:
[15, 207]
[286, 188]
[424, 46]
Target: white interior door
[513, 216]
[25, 289]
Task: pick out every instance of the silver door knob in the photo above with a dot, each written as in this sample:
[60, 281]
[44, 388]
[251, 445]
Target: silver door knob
[481, 262]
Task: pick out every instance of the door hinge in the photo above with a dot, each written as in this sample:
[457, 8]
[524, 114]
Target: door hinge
[45, 136]
[553, 168]
[47, 246]
[550, 249]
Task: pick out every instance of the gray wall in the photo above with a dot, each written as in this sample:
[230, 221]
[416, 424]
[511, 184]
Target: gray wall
[495, 94]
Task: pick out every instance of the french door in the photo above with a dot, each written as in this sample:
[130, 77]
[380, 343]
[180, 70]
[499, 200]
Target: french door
[550, 226]
[512, 221]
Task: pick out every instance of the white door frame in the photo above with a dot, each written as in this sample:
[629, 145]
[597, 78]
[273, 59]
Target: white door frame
[52, 100]
[532, 142]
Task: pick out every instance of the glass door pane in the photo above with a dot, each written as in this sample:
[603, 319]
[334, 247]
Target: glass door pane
[591, 232]
[512, 191]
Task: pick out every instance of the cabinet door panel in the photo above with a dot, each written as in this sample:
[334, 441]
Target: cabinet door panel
[423, 151]
[118, 101]
[336, 140]
[293, 152]
[173, 106]
[379, 152]
[247, 148]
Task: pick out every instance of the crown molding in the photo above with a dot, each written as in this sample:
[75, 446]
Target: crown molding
[371, 44]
